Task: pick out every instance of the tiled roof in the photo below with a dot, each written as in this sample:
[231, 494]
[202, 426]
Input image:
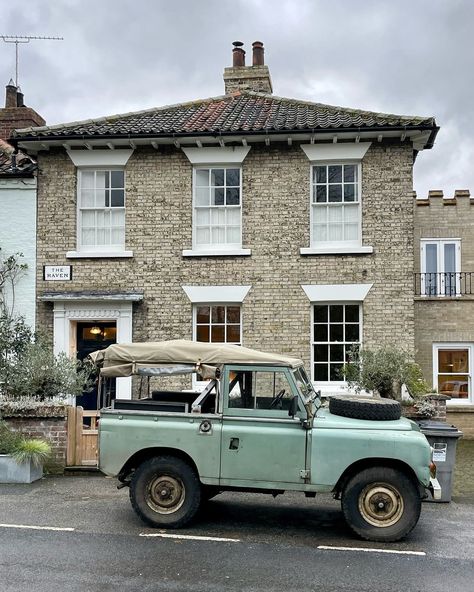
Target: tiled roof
[243, 112]
[11, 165]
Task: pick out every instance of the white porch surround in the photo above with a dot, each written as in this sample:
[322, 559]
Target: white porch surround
[67, 313]
[336, 292]
[212, 294]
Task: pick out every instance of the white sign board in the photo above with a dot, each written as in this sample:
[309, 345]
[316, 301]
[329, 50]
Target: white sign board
[439, 451]
[57, 273]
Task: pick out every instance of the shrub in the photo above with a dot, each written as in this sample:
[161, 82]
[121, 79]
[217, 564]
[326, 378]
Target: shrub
[22, 448]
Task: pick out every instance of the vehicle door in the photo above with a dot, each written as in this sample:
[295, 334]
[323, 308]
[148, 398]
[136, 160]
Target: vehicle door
[260, 441]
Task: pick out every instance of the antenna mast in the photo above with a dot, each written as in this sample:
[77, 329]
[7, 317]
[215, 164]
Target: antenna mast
[17, 39]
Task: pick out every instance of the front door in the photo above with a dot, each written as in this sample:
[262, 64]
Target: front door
[260, 442]
[92, 336]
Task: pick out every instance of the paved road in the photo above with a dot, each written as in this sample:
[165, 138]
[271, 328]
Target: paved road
[275, 544]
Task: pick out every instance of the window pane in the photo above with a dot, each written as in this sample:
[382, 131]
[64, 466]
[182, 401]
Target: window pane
[118, 236]
[233, 216]
[352, 333]
[449, 258]
[218, 216]
[100, 198]
[217, 197]
[335, 193]
[233, 234]
[88, 237]
[321, 372]
[431, 257]
[218, 314]
[349, 193]
[320, 332]
[233, 314]
[100, 179]
[87, 198]
[202, 196]
[456, 360]
[88, 219]
[203, 314]
[350, 173]
[320, 233]
[87, 179]
[117, 198]
[202, 217]
[320, 213]
[233, 333]
[336, 333]
[218, 333]
[335, 232]
[232, 196]
[319, 174]
[117, 179]
[233, 177]
[337, 353]
[202, 178]
[335, 372]
[320, 353]
[320, 313]
[321, 193]
[352, 313]
[335, 214]
[218, 235]
[457, 387]
[351, 232]
[351, 213]
[202, 333]
[336, 313]
[335, 173]
[217, 177]
[203, 236]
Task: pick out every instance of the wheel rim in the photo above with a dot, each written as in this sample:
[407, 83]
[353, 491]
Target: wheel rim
[381, 504]
[165, 494]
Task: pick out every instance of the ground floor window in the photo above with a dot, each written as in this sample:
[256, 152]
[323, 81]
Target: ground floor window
[336, 330]
[452, 373]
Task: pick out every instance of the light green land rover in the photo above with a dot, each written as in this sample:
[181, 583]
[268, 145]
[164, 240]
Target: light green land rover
[257, 426]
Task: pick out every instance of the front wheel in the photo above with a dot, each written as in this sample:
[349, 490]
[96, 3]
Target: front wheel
[165, 492]
[381, 504]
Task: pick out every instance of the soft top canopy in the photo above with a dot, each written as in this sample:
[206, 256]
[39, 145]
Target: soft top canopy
[126, 359]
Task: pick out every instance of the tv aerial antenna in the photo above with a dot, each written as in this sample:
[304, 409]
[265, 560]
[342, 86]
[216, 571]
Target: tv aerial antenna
[17, 39]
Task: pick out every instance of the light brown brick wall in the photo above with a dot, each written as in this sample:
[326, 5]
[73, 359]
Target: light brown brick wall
[276, 312]
[463, 420]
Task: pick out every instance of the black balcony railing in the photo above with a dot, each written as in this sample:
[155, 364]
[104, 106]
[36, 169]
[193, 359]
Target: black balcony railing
[447, 283]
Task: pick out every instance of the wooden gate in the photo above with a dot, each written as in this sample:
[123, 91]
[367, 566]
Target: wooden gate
[82, 437]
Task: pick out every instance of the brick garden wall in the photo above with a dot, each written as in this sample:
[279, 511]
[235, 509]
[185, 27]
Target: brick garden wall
[276, 223]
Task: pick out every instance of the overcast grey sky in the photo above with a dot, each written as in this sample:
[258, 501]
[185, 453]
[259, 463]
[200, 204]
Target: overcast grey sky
[413, 57]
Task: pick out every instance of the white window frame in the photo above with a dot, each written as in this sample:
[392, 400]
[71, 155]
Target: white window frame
[201, 384]
[329, 387]
[441, 285]
[329, 245]
[98, 248]
[220, 247]
[451, 346]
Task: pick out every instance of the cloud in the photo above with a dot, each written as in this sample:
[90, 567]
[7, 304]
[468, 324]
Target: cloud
[117, 56]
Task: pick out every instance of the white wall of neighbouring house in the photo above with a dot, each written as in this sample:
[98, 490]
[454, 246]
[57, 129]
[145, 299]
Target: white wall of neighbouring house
[18, 234]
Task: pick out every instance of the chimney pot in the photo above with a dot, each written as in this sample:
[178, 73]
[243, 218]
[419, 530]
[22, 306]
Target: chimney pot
[10, 95]
[238, 55]
[258, 51]
[20, 99]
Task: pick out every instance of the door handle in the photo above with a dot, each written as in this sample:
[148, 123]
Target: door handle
[234, 444]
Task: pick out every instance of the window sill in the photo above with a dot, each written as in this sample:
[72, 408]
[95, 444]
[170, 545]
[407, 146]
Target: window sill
[336, 251]
[217, 253]
[98, 254]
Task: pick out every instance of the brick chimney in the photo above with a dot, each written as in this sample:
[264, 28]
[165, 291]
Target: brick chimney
[241, 77]
[15, 114]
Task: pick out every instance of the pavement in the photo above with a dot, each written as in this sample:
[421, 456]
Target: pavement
[80, 533]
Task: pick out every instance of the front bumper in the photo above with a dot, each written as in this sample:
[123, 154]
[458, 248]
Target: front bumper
[435, 488]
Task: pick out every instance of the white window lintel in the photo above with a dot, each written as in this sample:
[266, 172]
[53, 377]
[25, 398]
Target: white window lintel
[99, 158]
[337, 152]
[217, 155]
[336, 292]
[210, 294]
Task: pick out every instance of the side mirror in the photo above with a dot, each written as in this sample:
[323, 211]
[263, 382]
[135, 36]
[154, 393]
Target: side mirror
[293, 406]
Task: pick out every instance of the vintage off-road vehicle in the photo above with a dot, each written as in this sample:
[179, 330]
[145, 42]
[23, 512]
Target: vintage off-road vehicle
[257, 426]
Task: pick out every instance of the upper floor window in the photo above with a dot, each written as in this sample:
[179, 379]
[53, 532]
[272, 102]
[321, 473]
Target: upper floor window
[217, 220]
[440, 267]
[101, 210]
[218, 323]
[335, 205]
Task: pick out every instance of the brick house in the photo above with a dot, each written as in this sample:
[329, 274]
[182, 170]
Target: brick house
[444, 299]
[18, 202]
[249, 218]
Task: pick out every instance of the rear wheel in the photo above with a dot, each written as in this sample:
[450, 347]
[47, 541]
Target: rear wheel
[165, 492]
[381, 504]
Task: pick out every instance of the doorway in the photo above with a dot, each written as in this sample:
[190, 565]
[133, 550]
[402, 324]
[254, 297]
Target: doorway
[92, 336]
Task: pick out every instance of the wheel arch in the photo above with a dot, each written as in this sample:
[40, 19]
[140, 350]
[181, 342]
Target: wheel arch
[146, 453]
[368, 463]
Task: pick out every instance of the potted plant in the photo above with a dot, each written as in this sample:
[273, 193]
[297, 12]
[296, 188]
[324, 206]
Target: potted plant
[21, 457]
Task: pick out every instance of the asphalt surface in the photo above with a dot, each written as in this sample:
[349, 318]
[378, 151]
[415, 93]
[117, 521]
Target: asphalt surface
[275, 544]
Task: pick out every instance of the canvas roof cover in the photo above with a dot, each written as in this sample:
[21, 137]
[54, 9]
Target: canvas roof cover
[126, 359]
